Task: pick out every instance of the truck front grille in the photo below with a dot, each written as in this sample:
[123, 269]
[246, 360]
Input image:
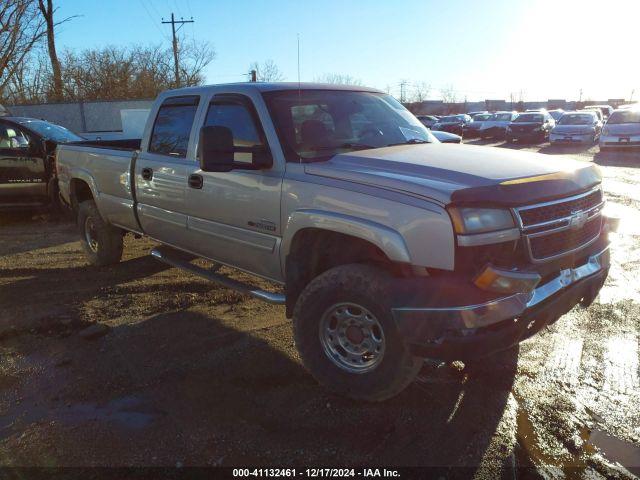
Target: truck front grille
[543, 213]
[553, 229]
[557, 243]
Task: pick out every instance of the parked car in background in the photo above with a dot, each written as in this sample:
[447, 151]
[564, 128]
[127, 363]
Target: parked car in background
[531, 127]
[427, 120]
[606, 110]
[479, 112]
[27, 161]
[533, 110]
[582, 127]
[496, 125]
[452, 124]
[446, 137]
[597, 112]
[556, 114]
[471, 129]
[629, 106]
[622, 129]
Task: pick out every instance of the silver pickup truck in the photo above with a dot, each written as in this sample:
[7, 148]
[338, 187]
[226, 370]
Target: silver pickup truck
[391, 247]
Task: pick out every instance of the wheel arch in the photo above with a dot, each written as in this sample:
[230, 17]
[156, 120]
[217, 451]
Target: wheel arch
[316, 241]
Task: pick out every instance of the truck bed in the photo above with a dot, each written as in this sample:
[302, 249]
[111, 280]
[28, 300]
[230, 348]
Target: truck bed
[110, 164]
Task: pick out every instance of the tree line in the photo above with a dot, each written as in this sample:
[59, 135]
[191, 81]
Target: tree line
[33, 71]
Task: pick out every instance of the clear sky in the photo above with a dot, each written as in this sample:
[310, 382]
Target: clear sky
[481, 48]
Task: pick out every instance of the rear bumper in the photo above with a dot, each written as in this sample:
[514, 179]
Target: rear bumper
[479, 329]
[560, 138]
[620, 141]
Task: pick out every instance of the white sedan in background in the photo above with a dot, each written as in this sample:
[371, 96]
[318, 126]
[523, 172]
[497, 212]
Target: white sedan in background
[621, 130]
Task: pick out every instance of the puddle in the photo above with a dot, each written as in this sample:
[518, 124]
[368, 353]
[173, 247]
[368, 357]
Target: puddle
[573, 464]
[128, 412]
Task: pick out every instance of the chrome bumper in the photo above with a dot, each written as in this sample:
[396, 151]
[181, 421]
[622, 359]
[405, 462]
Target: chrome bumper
[508, 307]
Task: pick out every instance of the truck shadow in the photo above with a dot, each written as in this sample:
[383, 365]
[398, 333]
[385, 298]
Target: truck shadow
[205, 389]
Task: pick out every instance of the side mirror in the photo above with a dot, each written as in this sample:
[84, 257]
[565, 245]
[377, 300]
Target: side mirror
[217, 153]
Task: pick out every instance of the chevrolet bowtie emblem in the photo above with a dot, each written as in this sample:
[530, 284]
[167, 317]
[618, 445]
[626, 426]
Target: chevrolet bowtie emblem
[577, 220]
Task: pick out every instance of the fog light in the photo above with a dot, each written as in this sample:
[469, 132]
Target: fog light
[502, 281]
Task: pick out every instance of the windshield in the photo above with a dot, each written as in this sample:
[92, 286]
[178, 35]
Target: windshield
[576, 119]
[626, 116]
[482, 117]
[51, 131]
[530, 117]
[501, 117]
[317, 124]
[452, 119]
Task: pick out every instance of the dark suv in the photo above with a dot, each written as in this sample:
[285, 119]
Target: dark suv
[530, 127]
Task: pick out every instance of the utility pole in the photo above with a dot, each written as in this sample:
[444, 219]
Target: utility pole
[580, 96]
[176, 64]
[254, 75]
[632, 92]
[403, 84]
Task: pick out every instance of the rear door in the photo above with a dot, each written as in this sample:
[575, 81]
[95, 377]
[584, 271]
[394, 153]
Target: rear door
[162, 168]
[23, 177]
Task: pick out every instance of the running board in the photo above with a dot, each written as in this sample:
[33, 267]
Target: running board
[269, 297]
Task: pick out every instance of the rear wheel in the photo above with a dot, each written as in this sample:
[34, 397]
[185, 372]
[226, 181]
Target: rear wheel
[101, 242]
[346, 335]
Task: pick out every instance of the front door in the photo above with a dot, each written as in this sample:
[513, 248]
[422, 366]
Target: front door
[234, 217]
[23, 176]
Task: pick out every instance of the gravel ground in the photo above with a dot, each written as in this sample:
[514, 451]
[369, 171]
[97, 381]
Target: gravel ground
[143, 365]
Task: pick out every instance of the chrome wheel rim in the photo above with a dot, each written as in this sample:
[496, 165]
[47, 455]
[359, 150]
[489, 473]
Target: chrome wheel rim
[90, 234]
[352, 337]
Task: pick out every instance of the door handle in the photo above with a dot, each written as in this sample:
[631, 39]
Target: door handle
[195, 181]
[147, 173]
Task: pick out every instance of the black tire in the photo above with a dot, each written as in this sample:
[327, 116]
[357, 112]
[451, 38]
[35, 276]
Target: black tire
[106, 249]
[366, 287]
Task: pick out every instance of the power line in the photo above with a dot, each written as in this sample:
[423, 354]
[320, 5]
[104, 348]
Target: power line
[152, 20]
[173, 23]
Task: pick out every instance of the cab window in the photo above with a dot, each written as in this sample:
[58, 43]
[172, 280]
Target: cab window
[172, 127]
[236, 115]
[12, 138]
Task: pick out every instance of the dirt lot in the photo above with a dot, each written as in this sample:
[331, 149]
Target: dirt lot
[141, 364]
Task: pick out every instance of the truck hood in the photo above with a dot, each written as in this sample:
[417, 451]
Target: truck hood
[463, 174]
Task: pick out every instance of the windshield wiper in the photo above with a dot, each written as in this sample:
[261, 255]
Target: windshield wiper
[352, 146]
[413, 141]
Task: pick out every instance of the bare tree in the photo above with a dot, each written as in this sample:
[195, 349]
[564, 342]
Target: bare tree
[20, 30]
[448, 94]
[268, 71]
[420, 92]
[338, 79]
[47, 10]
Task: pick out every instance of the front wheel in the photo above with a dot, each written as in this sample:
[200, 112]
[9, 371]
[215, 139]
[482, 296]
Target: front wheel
[101, 242]
[346, 335]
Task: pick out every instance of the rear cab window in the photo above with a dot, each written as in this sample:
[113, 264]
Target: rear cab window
[173, 125]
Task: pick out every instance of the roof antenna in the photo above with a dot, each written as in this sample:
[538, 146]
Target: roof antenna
[298, 61]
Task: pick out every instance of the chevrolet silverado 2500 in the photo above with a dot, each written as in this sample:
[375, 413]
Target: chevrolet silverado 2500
[390, 246]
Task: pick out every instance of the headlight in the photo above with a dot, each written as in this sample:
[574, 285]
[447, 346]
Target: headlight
[469, 220]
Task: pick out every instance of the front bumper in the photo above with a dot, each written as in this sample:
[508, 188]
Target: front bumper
[481, 328]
